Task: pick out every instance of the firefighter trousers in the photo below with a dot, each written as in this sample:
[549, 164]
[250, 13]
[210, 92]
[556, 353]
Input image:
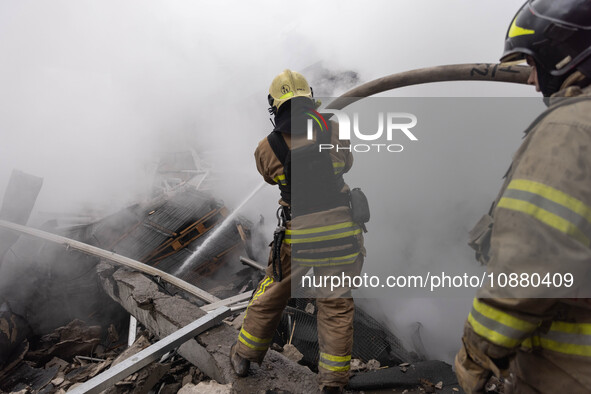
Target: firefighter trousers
[335, 318]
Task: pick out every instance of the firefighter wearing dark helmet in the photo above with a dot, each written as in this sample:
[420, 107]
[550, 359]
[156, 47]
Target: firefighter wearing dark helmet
[315, 230]
[541, 221]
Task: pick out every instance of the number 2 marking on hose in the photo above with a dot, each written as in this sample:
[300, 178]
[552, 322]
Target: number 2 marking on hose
[480, 72]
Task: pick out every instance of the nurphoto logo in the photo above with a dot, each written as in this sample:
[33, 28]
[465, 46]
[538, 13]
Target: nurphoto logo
[393, 123]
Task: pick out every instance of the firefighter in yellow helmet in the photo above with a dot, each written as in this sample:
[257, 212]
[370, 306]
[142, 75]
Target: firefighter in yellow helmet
[316, 230]
[540, 224]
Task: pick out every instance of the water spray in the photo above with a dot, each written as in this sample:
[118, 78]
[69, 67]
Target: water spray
[200, 250]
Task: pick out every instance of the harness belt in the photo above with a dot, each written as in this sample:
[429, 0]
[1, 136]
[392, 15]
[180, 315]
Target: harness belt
[283, 216]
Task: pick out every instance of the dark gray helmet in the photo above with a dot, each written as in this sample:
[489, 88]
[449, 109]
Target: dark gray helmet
[557, 34]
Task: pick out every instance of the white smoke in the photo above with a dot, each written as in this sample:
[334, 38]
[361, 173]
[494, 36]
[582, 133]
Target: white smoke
[93, 91]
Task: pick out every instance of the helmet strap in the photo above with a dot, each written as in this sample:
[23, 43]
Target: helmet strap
[549, 84]
[576, 78]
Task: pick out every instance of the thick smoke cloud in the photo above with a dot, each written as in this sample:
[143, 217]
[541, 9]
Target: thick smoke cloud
[93, 91]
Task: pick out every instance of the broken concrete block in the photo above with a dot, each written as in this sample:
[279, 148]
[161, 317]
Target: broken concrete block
[292, 353]
[165, 314]
[209, 387]
[357, 365]
[188, 378]
[372, 365]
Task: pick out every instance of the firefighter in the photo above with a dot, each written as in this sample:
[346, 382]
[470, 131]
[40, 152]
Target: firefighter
[315, 229]
[541, 221]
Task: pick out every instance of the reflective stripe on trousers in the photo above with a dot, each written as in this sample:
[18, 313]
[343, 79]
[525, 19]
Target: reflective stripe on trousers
[248, 339]
[563, 337]
[253, 342]
[334, 363]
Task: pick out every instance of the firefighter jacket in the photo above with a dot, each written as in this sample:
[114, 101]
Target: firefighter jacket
[539, 224]
[327, 240]
[323, 238]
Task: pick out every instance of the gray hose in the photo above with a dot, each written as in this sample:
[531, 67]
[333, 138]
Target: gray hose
[452, 72]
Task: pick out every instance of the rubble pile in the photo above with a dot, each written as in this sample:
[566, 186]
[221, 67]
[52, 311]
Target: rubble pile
[70, 311]
[73, 354]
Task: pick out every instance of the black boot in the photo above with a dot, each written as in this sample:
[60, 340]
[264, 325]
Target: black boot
[240, 365]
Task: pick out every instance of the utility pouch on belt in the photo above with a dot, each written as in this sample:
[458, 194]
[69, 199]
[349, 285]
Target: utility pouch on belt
[479, 238]
[359, 207]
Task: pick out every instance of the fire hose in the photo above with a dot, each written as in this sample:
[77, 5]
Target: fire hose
[451, 72]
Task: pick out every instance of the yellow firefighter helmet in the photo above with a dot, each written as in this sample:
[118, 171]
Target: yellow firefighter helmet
[287, 85]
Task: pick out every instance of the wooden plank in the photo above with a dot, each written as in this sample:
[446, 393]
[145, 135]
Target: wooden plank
[113, 257]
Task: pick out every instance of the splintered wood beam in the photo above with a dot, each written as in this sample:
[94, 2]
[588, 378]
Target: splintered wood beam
[113, 257]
